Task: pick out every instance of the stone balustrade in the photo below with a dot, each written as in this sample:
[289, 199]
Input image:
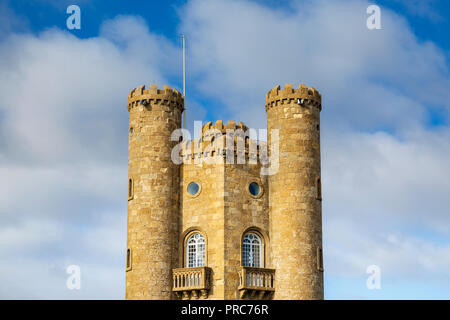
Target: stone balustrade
[191, 283]
[256, 283]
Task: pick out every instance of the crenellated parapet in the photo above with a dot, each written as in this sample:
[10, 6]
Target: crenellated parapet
[215, 142]
[287, 95]
[153, 95]
[218, 125]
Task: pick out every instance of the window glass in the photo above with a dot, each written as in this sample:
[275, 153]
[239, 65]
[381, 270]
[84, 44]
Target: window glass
[254, 188]
[193, 188]
[195, 251]
[252, 251]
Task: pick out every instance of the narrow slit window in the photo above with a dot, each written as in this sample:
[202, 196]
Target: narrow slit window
[128, 259]
[130, 189]
[319, 259]
[319, 189]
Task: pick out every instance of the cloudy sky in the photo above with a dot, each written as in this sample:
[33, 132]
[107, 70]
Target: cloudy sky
[385, 129]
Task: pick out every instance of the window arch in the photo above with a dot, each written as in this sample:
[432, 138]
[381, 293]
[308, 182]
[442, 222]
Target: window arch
[195, 250]
[252, 250]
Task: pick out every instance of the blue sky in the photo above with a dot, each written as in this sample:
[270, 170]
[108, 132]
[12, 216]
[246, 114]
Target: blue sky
[426, 18]
[385, 129]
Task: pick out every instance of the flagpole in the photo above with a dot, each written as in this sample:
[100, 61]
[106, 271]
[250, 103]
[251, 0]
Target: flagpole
[184, 80]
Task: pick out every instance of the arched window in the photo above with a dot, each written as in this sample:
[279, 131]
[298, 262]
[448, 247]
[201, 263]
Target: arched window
[195, 251]
[252, 255]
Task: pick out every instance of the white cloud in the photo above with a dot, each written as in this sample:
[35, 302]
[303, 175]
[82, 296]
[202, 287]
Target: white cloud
[63, 154]
[368, 78]
[65, 98]
[385, 203]
[383, 178]
[37, 251]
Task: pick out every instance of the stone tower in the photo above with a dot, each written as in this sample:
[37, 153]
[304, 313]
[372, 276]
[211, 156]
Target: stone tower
[295, 201]
[216, 226]
[153, 189]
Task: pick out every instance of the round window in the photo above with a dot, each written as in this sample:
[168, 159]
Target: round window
[254, 189]
[193, 188]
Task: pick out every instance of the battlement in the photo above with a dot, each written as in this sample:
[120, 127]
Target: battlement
[214, 143]
[309, 95]
[218, 125]
[153, 95]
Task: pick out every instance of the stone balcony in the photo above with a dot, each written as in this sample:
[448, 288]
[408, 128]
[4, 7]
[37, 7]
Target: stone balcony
[191, 283]
[256, 283]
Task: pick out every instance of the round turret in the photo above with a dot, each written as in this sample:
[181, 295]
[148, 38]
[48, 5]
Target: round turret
[295, 192]
[153, 191]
